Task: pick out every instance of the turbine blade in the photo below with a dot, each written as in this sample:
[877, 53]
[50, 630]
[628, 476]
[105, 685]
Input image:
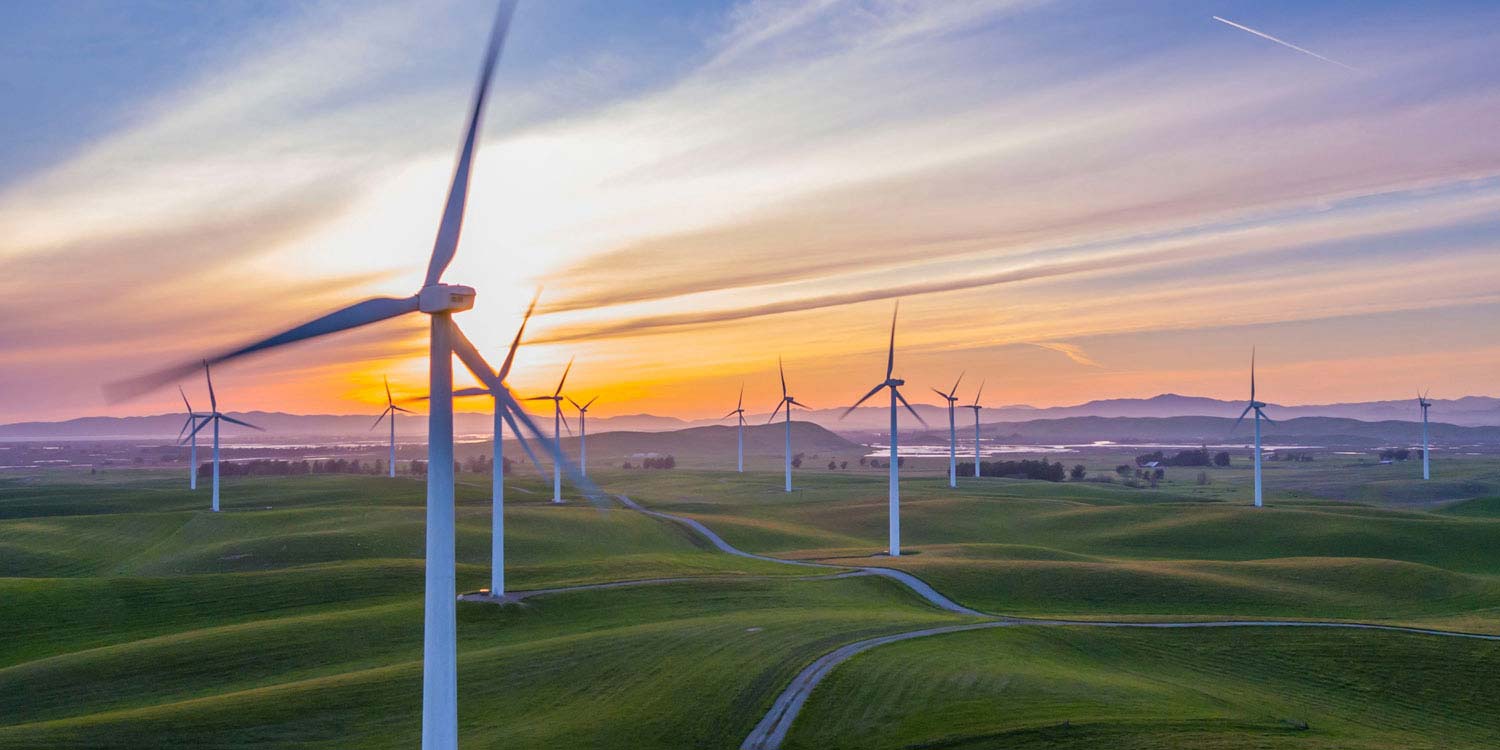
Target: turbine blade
[564, 418]
[513, 413]
[955, 384]
[539, 398]
[772, 418]
[185, 424]
[862, 399]
[380, 418]
[591, 402]
[1262, 415]
[1241, 419]
[726, 416]
[781, 369]
[795, 402]
[564, 379]
[184, 399]
[388, 400]
[515, 429]
[914, 413]
[510, 356]
[737, 405]
[213, 403]
[405, 411]
[353, 316]
[1252, 373]
[467, 393]
[941, 394]
[200, 426]
[574, 403]
[890, 360]
[232, 420]
[472, 359]
[452, 223]
[977, 393]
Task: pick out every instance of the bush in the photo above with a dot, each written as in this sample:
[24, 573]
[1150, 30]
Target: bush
[1078, 472]
[1221, 459]
[1024, 469]
[1197, 457]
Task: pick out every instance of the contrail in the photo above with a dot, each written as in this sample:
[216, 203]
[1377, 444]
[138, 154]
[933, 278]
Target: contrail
[1286, 44]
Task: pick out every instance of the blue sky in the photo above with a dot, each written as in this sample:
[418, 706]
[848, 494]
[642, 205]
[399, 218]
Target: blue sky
[1087, 199]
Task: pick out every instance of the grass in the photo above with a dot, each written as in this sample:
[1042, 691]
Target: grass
[1030, 687]
[132, 617]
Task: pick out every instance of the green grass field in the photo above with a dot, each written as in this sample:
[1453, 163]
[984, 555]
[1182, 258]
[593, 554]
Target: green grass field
[132, 617]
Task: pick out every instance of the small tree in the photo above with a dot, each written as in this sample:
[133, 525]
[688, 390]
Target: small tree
[843, 465]
[1078, 472]
[1221, 459]
[863, 460]
[1203, 479]
[1123, 470]
[833, 465]
[797, 461]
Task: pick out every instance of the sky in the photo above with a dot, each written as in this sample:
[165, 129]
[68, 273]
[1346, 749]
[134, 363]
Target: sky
[1071, 200]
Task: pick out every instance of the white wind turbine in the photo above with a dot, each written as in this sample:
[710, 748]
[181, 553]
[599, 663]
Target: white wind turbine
[894, 519]
[439, 301]
[499, 391]
[390, 409]
[583, 433]
[788, 402]
[558, 420]
[215, 416]
[739, 410]
[976, 407]
[952, 430]
[189, 424]
[1256, 407]
[1426, 447]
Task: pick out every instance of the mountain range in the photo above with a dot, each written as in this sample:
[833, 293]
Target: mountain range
[1470, 411]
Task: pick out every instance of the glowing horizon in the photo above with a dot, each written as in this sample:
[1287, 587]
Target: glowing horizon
[709, 187]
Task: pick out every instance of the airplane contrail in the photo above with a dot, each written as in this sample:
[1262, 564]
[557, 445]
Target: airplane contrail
[1285, 43]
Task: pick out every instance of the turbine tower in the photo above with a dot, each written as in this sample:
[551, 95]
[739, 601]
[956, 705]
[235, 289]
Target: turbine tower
[390, 409]
[788, 402]
[976, 407]
[558, 420]
[739, 410]
[583, 433]
[1426, 447]
[894, 519]
[189, 424]
[952, 430]
[1256, 407]
[438, 301]
[215, 416]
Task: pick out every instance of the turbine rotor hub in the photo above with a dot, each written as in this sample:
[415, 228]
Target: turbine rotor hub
[445, 298]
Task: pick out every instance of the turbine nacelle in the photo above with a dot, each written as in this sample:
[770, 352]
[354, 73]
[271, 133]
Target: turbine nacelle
[445, 298]
[893, 382]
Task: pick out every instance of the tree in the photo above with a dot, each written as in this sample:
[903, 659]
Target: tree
[1221, 459]
[1078, 472]
[797, 461]
[863, 461]
[833, 465]
[1123, 470]
[843, 465]
[1203, 479]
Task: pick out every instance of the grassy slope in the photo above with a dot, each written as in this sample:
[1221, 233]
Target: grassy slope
[1094, 550]
[1015, 688]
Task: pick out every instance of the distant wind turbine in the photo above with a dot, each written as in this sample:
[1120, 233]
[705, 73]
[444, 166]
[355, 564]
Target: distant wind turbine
[788, 402]
[1256, 407]
[189, 424]
[894, 519]
[215, 416]
[558, 420]
[390, 409]
[739, 410]
[976, 407]
[439, 301]
[1426, 447]
[952, 430]
[501, 397]
[583, 433]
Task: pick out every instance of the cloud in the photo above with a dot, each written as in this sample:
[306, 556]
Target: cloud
[1286, 44]
[1071, 351]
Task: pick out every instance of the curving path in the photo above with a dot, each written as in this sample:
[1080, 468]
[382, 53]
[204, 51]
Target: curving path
[772, 729]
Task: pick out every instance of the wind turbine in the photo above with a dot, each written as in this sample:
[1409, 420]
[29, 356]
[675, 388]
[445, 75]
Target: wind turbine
[1256, 407]
[390, 408]
[187, 424]
[439, 301]
[952, 431]
[788, 402]
[499, 391]
[583, 433]
[215, 416]
[739, 410]
[894, 520]
[976, 407]
[558, 420]
[1425, 404]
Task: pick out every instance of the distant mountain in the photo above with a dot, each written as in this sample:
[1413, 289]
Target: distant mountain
[1470, 411]
[1319, 431]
